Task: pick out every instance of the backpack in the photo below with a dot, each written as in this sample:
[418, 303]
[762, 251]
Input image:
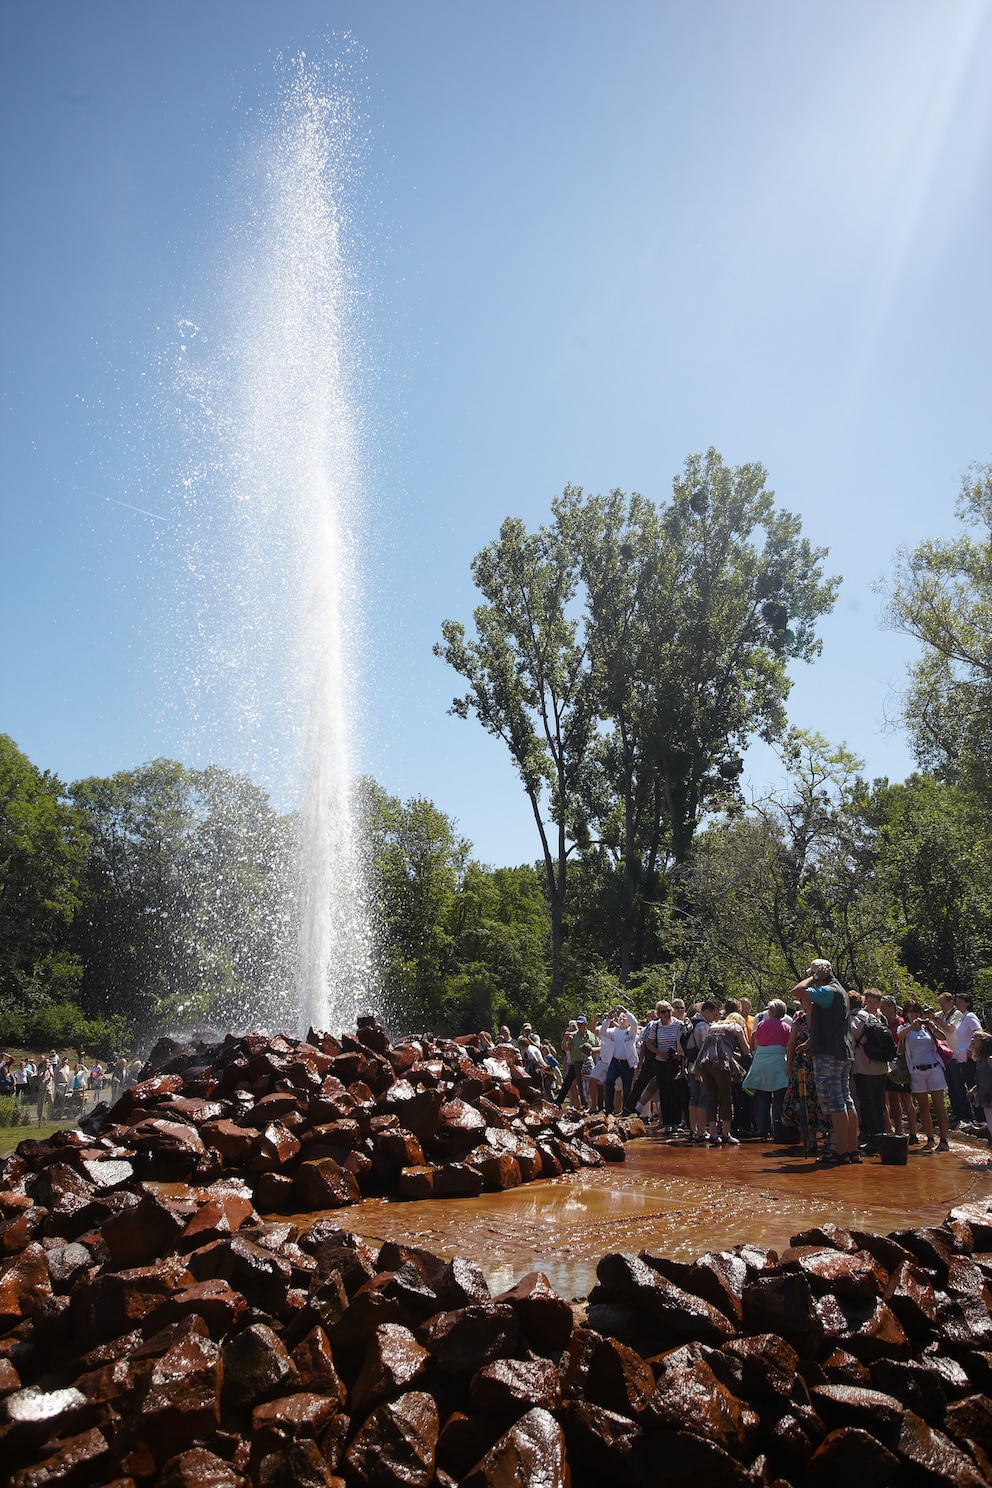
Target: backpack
[878, 1043]
[687, 1038]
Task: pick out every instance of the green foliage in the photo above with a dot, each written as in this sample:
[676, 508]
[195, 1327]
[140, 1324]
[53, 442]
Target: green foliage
[42, 845]
[185, 913]
[63, 1025]
[625, 654]
[941, 593]
[12, 1113]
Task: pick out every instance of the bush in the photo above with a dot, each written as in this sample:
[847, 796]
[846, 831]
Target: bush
[63, 1025]
[12, 1113]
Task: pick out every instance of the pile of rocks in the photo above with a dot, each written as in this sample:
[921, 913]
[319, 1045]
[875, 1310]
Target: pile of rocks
[321, 1122]
[169, 1335]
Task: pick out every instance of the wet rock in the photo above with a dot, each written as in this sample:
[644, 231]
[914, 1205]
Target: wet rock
[418, 1111]
[304, 1414]
[842, 1368]
[769, 1368]
[198, 1468]
[66, 1264]
[273, 1191]
[933, 1458]
[932, 1248]
[416, 1182]
[680, 1458]
[911, 1296]
[456, 1181]
[298, 1464]
[76, 1460]
[845, 1275]
[917, 1388]
[509, 1388]
[277, 1147]
[784, 1305]
[545, 1318]
[608, 1146]
[323, 1184]
[970, 1420]
[397, 1444]
[624, 1278]
[218, 1304]
[460, 1127]
[692, 1399]
[262, 1277]
[393, 1362]
[140, 1235]
[499, 1170]
[868, 1410]
[825, 1236]
[315, 1366]
[23, 1284]
[183, 1400]
[118, 1301]
[978, 1217]
[256, 1366]
[216, 1219]
[606, 1373]
[599, 1445]
[462, 1341]
[869, 1332]
[532, 1451]
[460, 1283]
[718, 1278]
[399, 1147]
[853, 1456]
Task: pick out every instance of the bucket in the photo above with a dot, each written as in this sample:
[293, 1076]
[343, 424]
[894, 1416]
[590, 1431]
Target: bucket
[894, 1150]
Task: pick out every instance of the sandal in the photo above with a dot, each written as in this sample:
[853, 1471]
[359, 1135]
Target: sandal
[852, 1157]
[943, 1147]
[830, 1160]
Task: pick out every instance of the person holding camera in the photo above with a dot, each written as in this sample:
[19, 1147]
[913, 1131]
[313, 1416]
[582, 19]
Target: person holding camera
[825, 1003]
[918, 1038]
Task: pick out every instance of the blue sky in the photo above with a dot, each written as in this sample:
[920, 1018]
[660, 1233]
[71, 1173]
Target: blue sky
[590, 240]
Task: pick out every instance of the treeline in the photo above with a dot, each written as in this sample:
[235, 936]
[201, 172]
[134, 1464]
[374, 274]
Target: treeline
[626, 654]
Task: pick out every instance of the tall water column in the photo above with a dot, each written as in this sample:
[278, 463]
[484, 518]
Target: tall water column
[277, 490]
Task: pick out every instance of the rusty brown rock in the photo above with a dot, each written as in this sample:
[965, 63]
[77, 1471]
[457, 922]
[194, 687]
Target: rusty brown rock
[304, 1414]
[784, 1305]
[397, 1444]
[418, 1111]
[261, 1276]
[911, 1296]
[842, 1368]
[459, 1283]
[257, 1366]
[454, 1180]
[970, 1420]
[868, 1332]
[510, 1387]
[532, 1451]
[545, 1318]
[499, 1170]
[118, 1301]
[462, 1341]
[625, 1278]
[606, 1373]
[183, 1400]
[845, 1275]
[315, 1366]
[217, 1218]
[139, 1235]
[868, 1410]
[769, 1367]
[717, 1277]
[198, 1468]
[609, 1147]
[23, 1284]
[932, 1458]
[217, 1303]
[76, 1460]
[850, 1455]
[297, 1464]
[460, 1127]
[400, 1147]
[393, 1362]
[599, 1445]
[692, 1399]
[67, 1264]
[323, 1184]
[277, 1147]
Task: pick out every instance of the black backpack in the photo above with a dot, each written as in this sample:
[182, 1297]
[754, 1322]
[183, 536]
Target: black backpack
[878, 1043]
[688, 1035]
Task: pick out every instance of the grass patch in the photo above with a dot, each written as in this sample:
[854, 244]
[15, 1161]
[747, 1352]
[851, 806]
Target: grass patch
[11, 1135]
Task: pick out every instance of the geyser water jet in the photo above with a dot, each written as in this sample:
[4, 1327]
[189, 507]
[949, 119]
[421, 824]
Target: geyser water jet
[274, 504]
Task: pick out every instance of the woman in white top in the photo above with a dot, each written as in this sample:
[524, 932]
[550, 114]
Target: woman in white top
[918, 1039]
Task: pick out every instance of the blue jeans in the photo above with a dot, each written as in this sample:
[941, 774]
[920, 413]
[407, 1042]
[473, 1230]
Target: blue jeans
[618, 1067]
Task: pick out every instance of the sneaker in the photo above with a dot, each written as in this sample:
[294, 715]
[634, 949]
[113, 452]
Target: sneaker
[830, 1160]
[852, 1157]
[731, 1141]
[914, 1141]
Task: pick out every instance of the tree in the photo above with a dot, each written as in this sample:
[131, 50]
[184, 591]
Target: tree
[530, 685]
[941, 593]
[186, 910]
[795, 876]
[694, 612]
[625, 655]
[42, 846]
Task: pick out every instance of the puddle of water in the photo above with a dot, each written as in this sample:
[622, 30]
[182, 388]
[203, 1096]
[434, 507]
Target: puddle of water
[670, 1199]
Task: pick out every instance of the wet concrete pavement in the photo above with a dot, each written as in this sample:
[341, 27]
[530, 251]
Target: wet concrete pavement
[675, 1199]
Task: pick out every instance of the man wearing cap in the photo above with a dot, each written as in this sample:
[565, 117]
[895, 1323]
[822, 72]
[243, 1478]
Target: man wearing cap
[577, 1047]
[831, 1046]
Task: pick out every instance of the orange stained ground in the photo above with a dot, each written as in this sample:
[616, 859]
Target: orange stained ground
[673, 1199]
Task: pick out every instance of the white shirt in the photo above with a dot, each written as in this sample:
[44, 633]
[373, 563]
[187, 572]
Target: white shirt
[964, 1032]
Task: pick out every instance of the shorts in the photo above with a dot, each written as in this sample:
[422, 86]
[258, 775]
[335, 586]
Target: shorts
[697, 1091]
[599, 1071]
[833, 1084]
[923, 1081]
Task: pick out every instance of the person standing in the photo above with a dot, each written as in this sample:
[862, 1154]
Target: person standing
[870, 1075]
[766, 1079]
[623, 1060]
[832, 1049]
[918, 1037]
[961, 1071]
[577, 1046]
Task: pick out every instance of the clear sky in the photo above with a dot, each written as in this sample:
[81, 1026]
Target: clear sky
[592, 238]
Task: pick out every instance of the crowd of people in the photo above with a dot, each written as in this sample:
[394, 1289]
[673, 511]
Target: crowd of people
[836, 1070]
[59, 1088]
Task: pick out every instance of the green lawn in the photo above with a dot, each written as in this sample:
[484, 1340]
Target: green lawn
[11, 1135]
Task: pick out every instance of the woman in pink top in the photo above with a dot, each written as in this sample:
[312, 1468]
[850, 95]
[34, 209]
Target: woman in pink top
[767, 1079]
